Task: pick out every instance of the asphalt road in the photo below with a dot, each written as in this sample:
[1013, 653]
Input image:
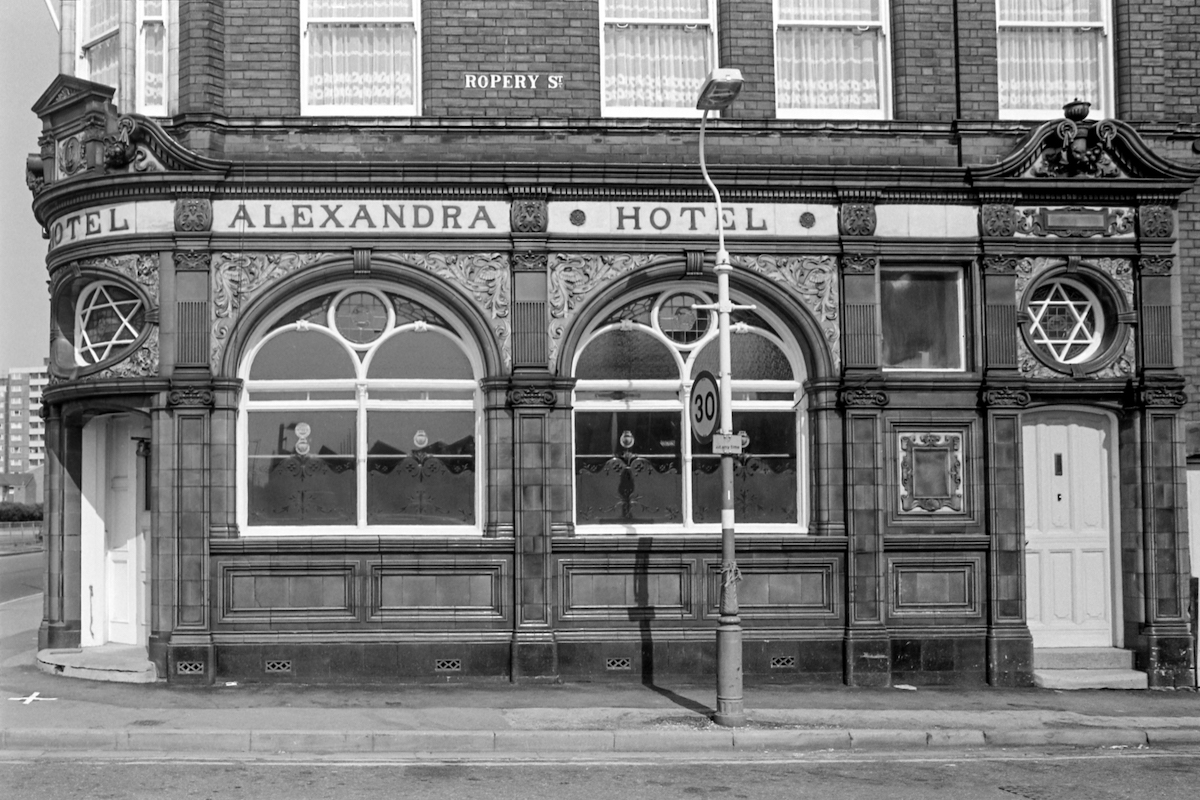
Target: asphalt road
[20, 575]
[1069, 775]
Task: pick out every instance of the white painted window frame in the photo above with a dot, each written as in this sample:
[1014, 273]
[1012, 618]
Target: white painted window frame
[1102, 107]
[361, 405]
[655, 112]
[144, 20]
[796, 405]
[311, 110]
[883, 25]
[960, 284]
[137, 52]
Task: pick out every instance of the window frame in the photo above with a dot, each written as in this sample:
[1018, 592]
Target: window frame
[130, 12]
[1101, 107]
[310, 109]
[685, 355]
[688, 112]
[143, 21]
[884, 54]
[960, 274]
[270, 328]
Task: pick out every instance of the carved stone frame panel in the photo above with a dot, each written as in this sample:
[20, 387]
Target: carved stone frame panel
[932, 477]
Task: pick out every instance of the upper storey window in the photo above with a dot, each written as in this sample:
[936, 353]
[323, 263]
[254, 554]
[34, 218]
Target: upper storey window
[360, 57]
[1051, 52]
[831, 58]
[656, 54]
[102, 26]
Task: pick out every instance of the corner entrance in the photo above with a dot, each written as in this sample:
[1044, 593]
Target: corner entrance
[115, 532]
[1070, 490]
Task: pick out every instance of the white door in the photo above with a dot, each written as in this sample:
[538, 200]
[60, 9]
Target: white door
[115, 533]
[1069, 466]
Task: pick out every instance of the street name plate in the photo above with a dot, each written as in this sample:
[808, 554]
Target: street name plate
[727, 444]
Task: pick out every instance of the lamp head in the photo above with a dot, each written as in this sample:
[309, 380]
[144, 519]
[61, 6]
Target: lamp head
[720, 89]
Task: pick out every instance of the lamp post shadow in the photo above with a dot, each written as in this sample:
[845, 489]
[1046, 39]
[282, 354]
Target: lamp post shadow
[644, 614]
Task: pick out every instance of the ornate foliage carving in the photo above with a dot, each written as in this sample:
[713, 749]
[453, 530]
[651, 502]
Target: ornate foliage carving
[576, 276]
[1006, 396]
[999, 220]
[139, 267]
[71, 156]
[1163, 397]
[1002, 265]
[141, 363]
[529, 216]
[193, 214]
[1156, 222]
[35, 176]
[484, 276]
[861, 397]
[859, 263]
[531, 396]
[1075, 222]
[814, 279]
[1079, 154]
[1157, 265]
[931, 472]
[857, 219]
[238, 277]
[190, 396]
[529, 261]
[119, 149]
[192, 261]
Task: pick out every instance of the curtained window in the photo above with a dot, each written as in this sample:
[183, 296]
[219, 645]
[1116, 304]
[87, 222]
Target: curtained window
[1051, 52]
[831, 59]
[362, 414]
[656, 54]
[100, 25]
[922, 314]
[360, 57]
[637, 466]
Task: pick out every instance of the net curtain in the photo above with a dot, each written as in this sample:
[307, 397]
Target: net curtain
[1057, 58]
[659, 63]
[834, 65]
[367, 63]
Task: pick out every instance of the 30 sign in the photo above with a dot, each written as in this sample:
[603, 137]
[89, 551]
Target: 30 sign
[705, 407]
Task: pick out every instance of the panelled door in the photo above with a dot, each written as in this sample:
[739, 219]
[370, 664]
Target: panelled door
[1069, 463]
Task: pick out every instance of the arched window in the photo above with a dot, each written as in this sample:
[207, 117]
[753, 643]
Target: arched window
[637, 467]
[362, 414]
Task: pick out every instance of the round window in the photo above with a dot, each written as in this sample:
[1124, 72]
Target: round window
[1073, 321]
[108, 319]
[680, 321]
[361, 317]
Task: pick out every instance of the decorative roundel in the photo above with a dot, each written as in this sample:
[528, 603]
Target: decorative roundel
[361, 317]
[679, 321]
[108, 318]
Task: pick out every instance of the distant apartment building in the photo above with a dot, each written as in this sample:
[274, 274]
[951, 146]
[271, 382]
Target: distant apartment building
[24, 435]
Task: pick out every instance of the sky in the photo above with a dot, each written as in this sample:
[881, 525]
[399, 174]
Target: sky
[28, 62]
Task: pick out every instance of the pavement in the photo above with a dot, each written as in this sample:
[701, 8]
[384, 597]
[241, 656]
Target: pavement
[50, 714]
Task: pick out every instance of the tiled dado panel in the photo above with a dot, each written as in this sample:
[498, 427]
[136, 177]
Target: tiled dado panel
[629, 588]
[445, 591]
[312, 592]
[356, 591]
[931, 588]
[780, 587]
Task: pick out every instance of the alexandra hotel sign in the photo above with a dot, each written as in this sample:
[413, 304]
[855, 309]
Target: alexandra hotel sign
[380, 218]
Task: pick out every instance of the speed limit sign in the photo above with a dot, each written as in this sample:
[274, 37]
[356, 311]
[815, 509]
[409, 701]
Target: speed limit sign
[705, 408]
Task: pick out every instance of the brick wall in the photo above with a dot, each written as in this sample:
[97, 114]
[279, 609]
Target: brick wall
[262, 58]
[978, 92]
[923, 60]
[1138, 51]
[746, 40]
[1181, 69]
[202, 56]
[1189, 269]
[466, 41]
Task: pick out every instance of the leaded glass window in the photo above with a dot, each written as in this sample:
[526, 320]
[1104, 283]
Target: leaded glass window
[361, 415]
[108, 319]
[1066, 321]
[637, 467]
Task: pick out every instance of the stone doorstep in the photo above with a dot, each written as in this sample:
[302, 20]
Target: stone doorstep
[1082, 658]
[1090, 679]
[114, 663]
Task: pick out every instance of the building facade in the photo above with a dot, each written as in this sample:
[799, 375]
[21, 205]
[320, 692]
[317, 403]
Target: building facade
[24, 434]
[375, 325]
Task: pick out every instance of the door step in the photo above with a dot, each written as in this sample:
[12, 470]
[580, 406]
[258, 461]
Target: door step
[118, 663]
[1086, 668]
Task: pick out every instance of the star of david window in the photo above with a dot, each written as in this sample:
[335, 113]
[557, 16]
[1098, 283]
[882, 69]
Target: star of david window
[108, 319]
[1067, 321]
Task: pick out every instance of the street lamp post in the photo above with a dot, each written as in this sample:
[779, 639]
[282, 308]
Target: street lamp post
[718, 92]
